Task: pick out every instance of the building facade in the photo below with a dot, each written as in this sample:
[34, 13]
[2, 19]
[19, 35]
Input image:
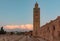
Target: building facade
[50, 31]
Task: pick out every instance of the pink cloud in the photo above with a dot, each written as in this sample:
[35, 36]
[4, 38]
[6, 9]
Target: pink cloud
[26, 26]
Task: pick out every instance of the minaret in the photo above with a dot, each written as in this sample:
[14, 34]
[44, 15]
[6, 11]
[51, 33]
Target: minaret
[36, 20]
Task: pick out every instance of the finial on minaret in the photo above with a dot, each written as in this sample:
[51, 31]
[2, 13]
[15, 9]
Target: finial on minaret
[36, 1]
[36, 4]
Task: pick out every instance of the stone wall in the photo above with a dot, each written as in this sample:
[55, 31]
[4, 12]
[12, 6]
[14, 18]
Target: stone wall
[51, 30]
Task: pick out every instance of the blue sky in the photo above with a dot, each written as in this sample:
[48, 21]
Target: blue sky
[21, 11]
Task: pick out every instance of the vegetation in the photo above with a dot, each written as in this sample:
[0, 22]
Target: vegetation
[2, 31]
[20, 33]
[17, 33]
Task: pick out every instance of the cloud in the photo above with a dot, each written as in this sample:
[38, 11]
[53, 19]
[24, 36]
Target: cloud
[17, 27]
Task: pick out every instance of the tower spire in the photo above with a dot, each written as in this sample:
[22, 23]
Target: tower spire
[36, 0]
[36, 4]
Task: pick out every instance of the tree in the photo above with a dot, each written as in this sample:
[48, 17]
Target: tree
[2, 31]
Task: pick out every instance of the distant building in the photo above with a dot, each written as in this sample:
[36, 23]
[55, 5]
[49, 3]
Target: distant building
[49, 31]
[36, 20]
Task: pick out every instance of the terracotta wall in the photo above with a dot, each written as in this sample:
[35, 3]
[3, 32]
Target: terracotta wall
[51, 30]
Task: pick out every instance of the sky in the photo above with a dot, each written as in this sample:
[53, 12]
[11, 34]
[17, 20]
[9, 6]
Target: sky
[20, 12]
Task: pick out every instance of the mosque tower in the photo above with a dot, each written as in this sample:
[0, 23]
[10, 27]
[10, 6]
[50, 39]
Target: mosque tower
[36, 20]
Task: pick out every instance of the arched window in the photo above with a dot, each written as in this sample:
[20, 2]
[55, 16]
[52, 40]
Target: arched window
[48, 29]
[53, 27]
